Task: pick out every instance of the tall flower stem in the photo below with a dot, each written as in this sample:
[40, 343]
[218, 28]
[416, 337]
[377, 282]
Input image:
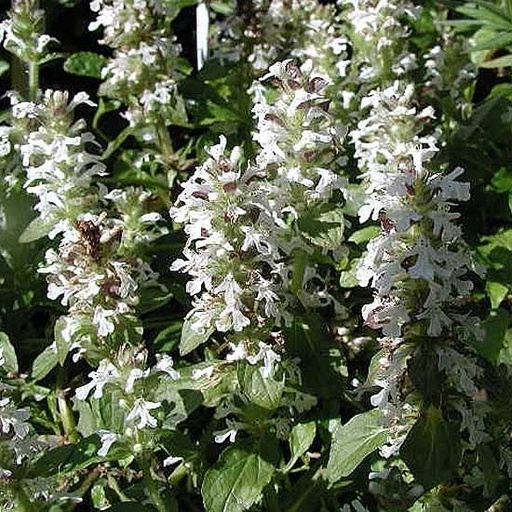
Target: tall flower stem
[152, 488]
[33, 80]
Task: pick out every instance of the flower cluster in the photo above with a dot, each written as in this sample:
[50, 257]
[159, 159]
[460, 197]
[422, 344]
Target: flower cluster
[131, 380]
[94, 272]
[244, 226]
[58, 164]
[377, 36]
[418, 266]
[450, 73]
[142, 72]
[21, 33]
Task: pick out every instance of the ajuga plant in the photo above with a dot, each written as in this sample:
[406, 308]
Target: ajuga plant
[278, 282]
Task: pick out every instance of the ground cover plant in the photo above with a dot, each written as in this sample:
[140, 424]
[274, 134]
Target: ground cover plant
[256, 255]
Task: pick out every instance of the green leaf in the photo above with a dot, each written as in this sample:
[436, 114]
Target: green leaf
[302, 436]
[321, 361]
[353, 442]
[191, 339]
[323, 226]
[431, 450]
[348, 277]
[495, 329]
[8, 353]
[490, 467]
[363, 235]
[501, 40]
[497, 292]
[488, 15]
[85, 64]
[45, 362]
[262, 391]
[505, 356]
[500, 62]
[68, 458]
[502, 180]
[38, 228]
[235, 483]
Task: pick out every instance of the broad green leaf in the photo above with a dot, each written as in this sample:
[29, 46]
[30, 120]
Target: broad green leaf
[348, 277]
[45, 362]
[505, 356]
[191, 339]
[321, 360]
[363, 235]
[37, 229]
[8, 353]
[500, 62]
[86, 422]
[168, 338]
[353, 442]
[495, 328]
[431, 450]
[500, 40]
[68, 458]
[490, 467]
[302, 436]
[497, 293]
[502, 180]
[99, 497]
[235, 483]
[85, 64]
[262, 391]
[488, 16]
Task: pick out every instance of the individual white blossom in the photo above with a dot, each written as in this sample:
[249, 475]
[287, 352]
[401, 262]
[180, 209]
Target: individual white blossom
[140, 412]
[105, 374]
[165, 364]
[107, 439]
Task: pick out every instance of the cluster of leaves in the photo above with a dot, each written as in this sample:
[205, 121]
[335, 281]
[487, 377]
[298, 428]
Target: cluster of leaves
[323, 461]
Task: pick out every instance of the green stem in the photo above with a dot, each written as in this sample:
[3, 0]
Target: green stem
[165, 142]
[33, 80]
[151, 486]
[66, 417]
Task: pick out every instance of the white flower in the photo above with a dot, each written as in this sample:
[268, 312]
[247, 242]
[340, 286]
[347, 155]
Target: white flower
[268, 356]
[140, 413]
[107, 439]
[169, 461]
[222, 435]
[207, 372]
[238, 352]
[165, 364]
[135, 374]
[102, 318]
[105, 374]
[15, 419]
